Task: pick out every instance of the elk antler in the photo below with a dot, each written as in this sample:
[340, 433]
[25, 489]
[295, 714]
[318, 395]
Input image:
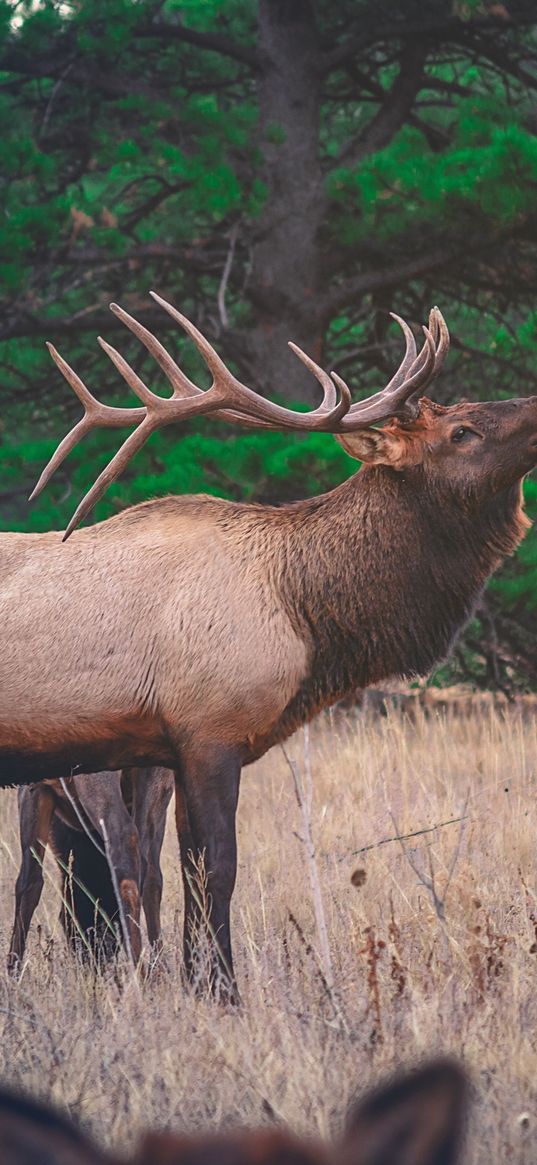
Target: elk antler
[230, 400]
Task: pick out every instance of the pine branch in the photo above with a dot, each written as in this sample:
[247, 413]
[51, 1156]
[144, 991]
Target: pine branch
[448, 29]
[394, 110]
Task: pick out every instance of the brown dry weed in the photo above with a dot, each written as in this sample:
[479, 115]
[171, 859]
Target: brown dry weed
[410, 978]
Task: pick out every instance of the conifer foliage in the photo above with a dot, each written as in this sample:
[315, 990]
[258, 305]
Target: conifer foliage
[279, 171]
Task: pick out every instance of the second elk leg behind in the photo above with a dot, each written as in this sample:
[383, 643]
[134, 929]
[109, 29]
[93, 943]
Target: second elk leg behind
[149, 791]
[36, 810]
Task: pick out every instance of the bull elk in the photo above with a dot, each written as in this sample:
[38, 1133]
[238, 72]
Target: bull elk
[68, 814]
[415, 1119]
[195, 633]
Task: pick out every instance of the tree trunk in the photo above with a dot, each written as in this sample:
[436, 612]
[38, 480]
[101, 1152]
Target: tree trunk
[285, 275]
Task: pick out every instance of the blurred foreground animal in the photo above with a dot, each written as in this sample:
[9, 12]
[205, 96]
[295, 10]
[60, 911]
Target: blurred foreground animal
[68, 815]
[413, 1120]
[196, 633]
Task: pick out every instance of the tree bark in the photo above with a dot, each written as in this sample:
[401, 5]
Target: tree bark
[284, 283]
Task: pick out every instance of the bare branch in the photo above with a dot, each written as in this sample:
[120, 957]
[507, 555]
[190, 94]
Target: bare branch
[221, 298]
[211, 41]
[405, 836]
[375, 280]
[438, 899]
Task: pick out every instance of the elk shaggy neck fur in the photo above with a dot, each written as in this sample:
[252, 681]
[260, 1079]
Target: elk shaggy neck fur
[380, 578]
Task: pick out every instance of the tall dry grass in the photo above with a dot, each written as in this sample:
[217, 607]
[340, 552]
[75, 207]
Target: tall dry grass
[414, 972]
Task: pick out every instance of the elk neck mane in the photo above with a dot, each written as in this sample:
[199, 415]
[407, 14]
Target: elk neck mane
[380, 574]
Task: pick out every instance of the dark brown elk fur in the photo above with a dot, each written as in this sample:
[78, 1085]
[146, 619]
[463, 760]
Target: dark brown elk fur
[195, 633]
[68, 815]
[414, 1120]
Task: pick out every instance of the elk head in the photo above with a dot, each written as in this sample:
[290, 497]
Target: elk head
[469, 450]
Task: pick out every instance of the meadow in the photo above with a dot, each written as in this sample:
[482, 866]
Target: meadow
[432, 947]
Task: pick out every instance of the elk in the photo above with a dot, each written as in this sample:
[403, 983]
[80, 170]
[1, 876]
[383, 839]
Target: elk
[415, 1119]
[69, 814]
[195, 633]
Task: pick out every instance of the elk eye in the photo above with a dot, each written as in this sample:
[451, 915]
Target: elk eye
[460, 434]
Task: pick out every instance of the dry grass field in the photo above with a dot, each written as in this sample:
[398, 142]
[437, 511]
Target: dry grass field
[412, 974]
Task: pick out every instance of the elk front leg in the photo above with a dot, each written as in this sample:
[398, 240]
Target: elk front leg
[36, 808]
[207, 791]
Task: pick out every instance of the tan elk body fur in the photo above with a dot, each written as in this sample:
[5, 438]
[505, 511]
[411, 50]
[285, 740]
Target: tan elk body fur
[182, 638]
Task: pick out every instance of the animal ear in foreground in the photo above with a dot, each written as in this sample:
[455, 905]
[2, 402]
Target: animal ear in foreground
[416, 1119]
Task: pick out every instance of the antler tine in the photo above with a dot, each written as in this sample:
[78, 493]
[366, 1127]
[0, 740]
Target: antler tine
[58, 457]
[212, 359]
[403, 398]
[180, 383]
[166, 410]
[329, 407]
[406, 366]
[380, 407]
[329, 400]
[440, 337]
[145, 394]
[396, 389]
[116, 466]
[95, 415]
[443, 342]
[84, 395]
[408, 358]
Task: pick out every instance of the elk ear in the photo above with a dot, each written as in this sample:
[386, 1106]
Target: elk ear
[418, 1118]
[32, 1133]
[375, 446]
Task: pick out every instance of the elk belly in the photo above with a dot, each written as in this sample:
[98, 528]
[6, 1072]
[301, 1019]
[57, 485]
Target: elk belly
[125, 744]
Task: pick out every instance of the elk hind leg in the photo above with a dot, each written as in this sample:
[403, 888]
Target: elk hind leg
[123, 854]
[102, 802]
[152, 791]
[36, 809]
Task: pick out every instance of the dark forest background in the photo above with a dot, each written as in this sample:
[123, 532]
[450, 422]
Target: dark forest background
[279, 170]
